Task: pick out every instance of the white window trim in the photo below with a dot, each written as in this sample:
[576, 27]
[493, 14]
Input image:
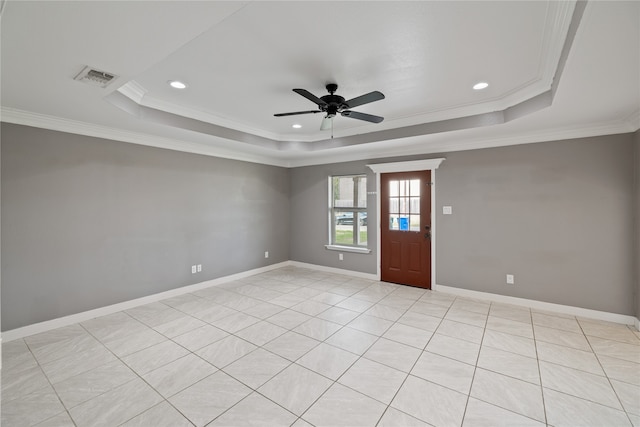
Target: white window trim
[332, 247]
[415, 165]
[354, 249]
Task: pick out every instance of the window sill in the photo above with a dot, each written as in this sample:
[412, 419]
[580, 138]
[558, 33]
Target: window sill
[348, 249]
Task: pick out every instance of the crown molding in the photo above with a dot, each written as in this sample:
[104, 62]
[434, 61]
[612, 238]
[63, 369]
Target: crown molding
[422, 146]
[20, 117]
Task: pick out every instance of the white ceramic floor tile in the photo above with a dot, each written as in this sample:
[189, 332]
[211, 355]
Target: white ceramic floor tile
[68, 367]
[370, 324]
[620, 350]
[291, 345]
[394, 418]
[396, 355]
[444, 371]
[134, 342]
[201, 337]
[178, 375]
[511, 312]
[508, 393]
[507, 342]
[468, 317]
[311, 308]
[373, 379]
[328, 361]
[352, 340]
[339, 315]
[31, 409]
[209, 398]
[116, 406]
[154, 357]
[235, 322]
[421, 321]
[255, 410]
[464, 351]
[64, 348]
[60, 420]
[408, 335]
[385, 312]
[341, 406]
[578, 383]
[510, 326]
[16, 384]
[264, 310]
[569, 357]
[559, 337]
[296, 388]
[430, 402]
[257, 367]
[629, 395]
[397, 302]
[510, 364]
[429, 309]
[355, 304]
[225, 351]
[161, 415]
[288, 319]
[564, 410]
[549, 321]
[620, 369]
[461, 331]
[609, 331]
[482, 414]
[80, 388]
[261, 333]
[318, 329]
[179, 326]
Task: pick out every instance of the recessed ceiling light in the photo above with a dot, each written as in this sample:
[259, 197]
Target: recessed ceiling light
[481, 85]
[177, 84]
[296, 126]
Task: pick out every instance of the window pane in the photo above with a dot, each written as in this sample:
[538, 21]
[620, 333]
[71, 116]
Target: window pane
[404, 188]
[362, 192]
[362, 228]
[414, 222]
[415, 205]
[394, 205]
[343, 192]
[393, 188]
[394, 224]
[404, 205]
[415, 187]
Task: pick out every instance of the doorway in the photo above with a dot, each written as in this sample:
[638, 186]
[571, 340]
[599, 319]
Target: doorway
[405, 228]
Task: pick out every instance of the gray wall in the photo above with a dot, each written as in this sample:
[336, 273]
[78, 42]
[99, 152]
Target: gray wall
[89, 222]
[558, 215]
[310, 220]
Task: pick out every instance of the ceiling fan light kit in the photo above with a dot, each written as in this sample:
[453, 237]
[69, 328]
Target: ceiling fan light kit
[333, 105]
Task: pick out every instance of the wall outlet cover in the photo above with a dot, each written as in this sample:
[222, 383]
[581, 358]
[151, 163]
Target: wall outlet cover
[193, 269]
[510, 279]
[447, 210]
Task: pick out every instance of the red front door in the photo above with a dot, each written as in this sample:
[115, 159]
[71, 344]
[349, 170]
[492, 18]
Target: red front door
[405, 222]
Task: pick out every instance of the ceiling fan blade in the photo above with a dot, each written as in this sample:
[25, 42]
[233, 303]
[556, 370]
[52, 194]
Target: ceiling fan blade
[327, 123]
[365, 99]
[362, 116]
[311, 97]
[295, 113]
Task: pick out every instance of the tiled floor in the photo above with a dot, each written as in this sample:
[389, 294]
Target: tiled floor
[301, 347]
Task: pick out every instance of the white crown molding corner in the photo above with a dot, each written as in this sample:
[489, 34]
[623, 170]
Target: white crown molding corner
[20, 117]
[133, 90]
[48, 325]
[540, 305]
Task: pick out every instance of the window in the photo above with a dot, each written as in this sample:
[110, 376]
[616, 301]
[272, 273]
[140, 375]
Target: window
[348, 210]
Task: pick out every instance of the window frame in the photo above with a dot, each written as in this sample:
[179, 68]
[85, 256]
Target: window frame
[334, 211]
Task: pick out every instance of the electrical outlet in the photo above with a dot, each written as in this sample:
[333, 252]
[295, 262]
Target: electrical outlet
[266, 254]
[341, 257]
[510, 279]
[199, 268]
[194, 269]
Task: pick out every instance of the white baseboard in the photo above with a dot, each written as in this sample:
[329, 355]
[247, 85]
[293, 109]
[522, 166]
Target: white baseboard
[540, 305]
[334, 270]
[48, 325]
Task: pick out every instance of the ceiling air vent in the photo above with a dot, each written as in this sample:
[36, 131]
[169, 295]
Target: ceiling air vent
[95, 77]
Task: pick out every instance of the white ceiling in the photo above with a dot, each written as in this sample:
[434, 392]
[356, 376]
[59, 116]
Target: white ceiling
[556, 70]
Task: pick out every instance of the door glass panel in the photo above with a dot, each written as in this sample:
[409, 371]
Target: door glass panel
[404, 205]
[415, 187]
[393, 188]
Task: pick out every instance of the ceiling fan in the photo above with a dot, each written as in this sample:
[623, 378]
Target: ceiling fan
[335, 104]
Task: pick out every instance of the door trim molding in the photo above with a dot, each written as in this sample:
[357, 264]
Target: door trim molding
[410, 166]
